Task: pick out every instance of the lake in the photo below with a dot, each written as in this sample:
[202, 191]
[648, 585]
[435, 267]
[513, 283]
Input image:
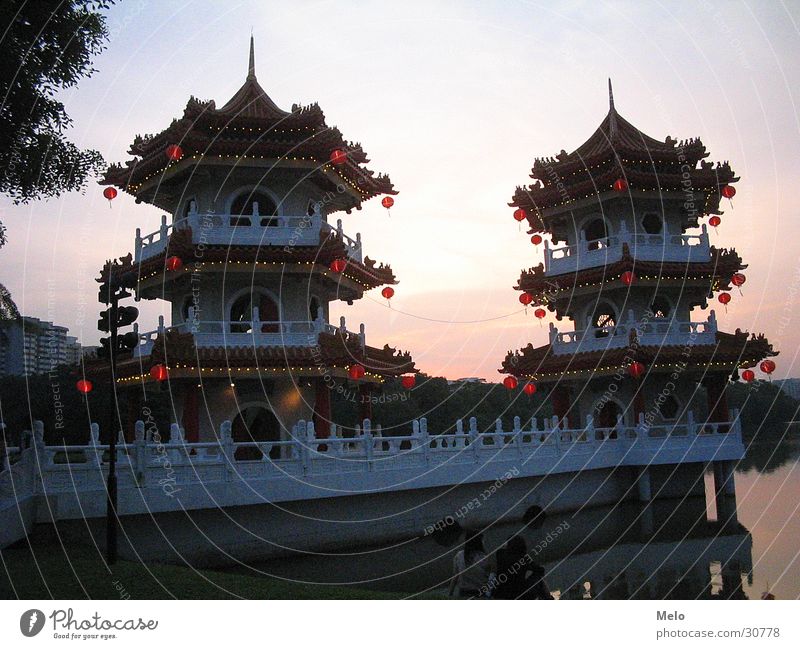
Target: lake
[670, 549]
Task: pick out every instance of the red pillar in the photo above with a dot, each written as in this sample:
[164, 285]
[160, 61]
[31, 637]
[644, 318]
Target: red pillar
[717, 398]
[322, 410]
[638, 400]
[134, 402]
[191, 417]
[560, 398]
[364, 402]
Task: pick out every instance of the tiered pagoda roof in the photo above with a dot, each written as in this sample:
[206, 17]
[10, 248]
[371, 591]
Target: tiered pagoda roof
[715, 274]
[368, 274]
[730, 351]
[617, 149]
[249, 127]
[334, 353]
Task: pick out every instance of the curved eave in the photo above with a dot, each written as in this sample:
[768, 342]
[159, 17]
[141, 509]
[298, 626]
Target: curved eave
[731, 351]
[715, 273]
[333, 355]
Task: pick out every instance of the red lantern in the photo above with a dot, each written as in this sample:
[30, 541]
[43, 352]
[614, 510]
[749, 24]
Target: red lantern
[338, 265]
[714, 221]
[338, 157]
[724, 298]
[526, 298]
[84, 386]
[748, 375]
[510, 382]
[536, 239]
[409, 381]
[620, 185]
[628, 277]
[388, 292]
[540, 313]
[636, 369]
[159, 372]
[737, 279]
[387, 202]
[174, 263]
[529, 388]
[174, 152]
[356, 371]
[109, 193]
[767, 366]
[728, 191]
[519, 214]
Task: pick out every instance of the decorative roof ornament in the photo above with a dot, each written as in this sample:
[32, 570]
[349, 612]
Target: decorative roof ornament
[251, 69]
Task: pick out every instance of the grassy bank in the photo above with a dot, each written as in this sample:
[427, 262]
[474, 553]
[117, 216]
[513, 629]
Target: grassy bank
[48, 571]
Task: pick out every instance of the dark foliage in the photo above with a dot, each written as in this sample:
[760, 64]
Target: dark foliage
[46, 46]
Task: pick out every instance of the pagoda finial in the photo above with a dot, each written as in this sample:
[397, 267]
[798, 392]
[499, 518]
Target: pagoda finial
[610, 96]
[251, 70]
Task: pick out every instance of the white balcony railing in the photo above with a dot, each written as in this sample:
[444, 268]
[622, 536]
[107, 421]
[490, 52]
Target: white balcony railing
[212, 228]
[251, 333]
[682, 248]
[303, 466]
[655, 332]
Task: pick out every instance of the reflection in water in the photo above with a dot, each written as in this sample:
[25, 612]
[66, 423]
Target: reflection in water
[665, 550]
[668, 549]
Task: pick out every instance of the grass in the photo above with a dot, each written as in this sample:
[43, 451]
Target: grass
[48, 571]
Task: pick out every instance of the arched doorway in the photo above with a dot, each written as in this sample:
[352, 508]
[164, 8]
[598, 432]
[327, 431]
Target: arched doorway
[604, 320]
[254, 205]
[241, 314]
[256, 423]
[595, 233]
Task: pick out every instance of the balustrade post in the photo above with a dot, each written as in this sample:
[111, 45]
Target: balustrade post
[369, 449]
[226, 446]
[555, 431]
[690, 425]
[474, 436]
[459, 434]
[590, 433]
[311, 437]
[621, 430]
[94, 442]
[176, 437]
[302, 435]
[362, 335]
[517, 438]
[422, 441]
[163, 228]
[547, 255]
[256, 324]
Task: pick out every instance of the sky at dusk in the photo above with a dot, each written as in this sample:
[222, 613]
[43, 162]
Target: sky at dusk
[454, 100]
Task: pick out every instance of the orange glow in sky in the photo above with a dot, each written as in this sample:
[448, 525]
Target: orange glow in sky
[454, 100]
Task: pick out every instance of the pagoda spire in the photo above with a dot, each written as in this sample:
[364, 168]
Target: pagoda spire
[610, 96]
[251, 69]
[612, 112]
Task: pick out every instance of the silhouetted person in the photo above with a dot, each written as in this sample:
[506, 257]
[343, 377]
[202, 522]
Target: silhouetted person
[471, 570]
[535, 586]
[512, 566]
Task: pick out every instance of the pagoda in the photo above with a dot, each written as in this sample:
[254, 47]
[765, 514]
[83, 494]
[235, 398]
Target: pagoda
[249, 261]
[627, 261]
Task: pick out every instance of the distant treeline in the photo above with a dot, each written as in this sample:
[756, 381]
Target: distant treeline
[765, 409]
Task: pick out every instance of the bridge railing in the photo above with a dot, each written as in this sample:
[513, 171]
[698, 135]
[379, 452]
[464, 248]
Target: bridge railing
[151, 461]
